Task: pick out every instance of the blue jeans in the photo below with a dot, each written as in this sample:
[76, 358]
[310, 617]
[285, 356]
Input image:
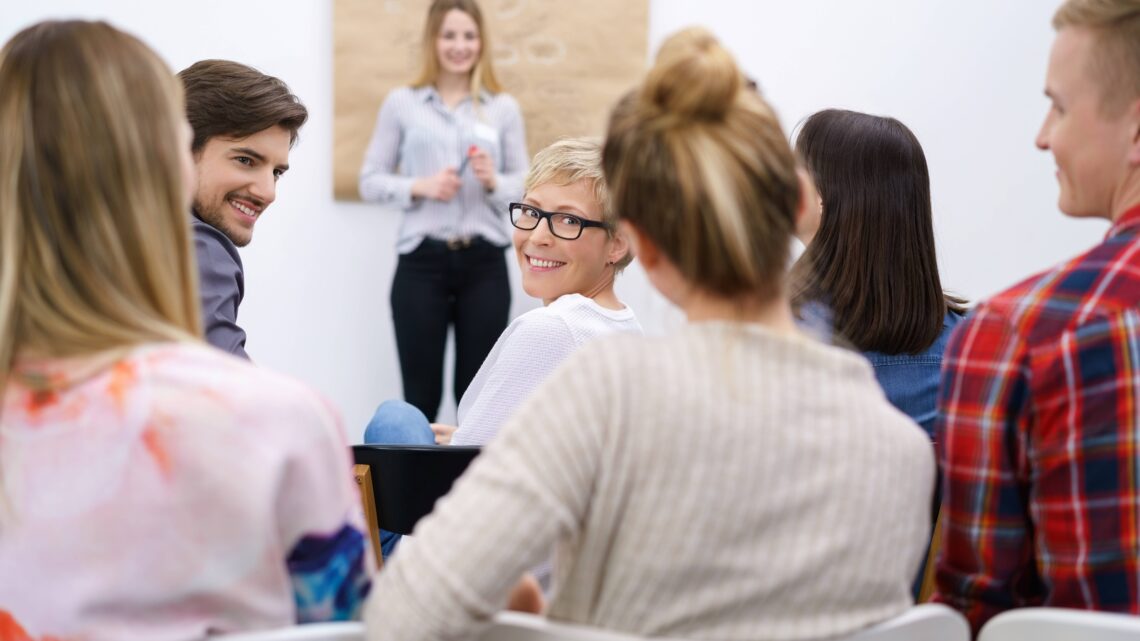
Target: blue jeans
[397, 423]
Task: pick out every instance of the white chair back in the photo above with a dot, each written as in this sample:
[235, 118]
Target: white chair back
[309, 632]
[516, 626]
[928, 622]
[1060, 624]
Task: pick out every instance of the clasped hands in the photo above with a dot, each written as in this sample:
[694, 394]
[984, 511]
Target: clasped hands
[444, 184]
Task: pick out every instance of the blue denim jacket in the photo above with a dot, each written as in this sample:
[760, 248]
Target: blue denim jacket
[909, 380]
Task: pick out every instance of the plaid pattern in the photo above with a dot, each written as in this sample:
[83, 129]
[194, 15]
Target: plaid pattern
[1038, 435]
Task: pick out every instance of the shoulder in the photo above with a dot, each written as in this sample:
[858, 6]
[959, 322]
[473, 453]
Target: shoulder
[213, 248]
[505, 104]
[541, 324]
[505, 100]
[1100, 283]
[401, 95]
[229, 392]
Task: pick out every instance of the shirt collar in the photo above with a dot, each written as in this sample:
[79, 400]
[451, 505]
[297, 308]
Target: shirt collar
[1128, 222]
[428, 93]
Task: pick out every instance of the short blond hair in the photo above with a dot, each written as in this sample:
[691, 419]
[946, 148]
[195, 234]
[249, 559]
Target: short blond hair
[1116, 52]
[569, 160]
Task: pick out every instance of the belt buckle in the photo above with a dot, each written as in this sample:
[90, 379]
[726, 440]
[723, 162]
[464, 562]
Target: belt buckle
[455, 244]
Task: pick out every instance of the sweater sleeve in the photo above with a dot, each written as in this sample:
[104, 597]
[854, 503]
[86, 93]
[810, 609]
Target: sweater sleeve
[320, 521]
[538, 343]
[530, 488]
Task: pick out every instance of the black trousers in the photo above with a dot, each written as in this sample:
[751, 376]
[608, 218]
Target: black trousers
[437, 287]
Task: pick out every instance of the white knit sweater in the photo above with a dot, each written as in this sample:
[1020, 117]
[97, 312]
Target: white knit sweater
[526, 353]
[723, 482]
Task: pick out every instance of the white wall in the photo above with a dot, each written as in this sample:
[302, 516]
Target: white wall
[966, 75]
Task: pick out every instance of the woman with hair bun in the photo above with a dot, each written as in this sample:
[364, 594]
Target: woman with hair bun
[727, 481]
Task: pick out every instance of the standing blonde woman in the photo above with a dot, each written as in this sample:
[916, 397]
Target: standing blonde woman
[151, 487]
[728, 481]
[450, 151]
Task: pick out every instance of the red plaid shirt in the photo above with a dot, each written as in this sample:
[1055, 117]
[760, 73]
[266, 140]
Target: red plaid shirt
[1038, 437]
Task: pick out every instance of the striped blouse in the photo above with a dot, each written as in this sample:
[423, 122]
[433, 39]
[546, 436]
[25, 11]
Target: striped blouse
[417, 135]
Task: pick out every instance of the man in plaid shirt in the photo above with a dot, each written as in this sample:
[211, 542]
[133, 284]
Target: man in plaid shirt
[1039, 411]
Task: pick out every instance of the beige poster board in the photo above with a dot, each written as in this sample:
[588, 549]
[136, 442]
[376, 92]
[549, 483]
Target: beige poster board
[566, 62]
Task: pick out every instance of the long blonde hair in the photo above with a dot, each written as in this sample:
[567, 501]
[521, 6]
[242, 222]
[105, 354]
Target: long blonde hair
[95, 250]
[700, 165]
[483, 74]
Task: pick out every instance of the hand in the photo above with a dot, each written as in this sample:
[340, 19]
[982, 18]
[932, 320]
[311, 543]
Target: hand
[442, 186]
[526, 596]
[442, 433]
[483, 167]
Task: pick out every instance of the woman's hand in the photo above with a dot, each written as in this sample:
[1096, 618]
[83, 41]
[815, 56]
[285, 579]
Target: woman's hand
[526, 596]
[442, 433]
[441, 186]
[483, 167]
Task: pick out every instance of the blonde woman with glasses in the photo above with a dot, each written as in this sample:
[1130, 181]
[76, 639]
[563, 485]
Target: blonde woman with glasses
[151, 487]
[569, 252]
[734, 480]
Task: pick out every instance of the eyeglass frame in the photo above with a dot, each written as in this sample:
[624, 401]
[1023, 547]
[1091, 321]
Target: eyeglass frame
[585, 223]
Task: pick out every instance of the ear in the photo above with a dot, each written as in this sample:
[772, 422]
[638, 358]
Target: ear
[619, 246]
[1134, 147]
[640, 245]
[810, 207]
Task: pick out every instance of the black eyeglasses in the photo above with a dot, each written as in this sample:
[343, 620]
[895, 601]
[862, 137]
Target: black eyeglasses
[564, 226]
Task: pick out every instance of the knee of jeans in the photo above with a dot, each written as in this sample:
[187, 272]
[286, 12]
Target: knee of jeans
[396, 422]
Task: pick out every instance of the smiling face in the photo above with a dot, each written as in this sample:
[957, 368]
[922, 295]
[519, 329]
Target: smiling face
[1089, 147]
[237, 180]
[458, 43]
[551, 266]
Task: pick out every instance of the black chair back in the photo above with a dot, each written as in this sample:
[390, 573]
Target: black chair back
[407, 479]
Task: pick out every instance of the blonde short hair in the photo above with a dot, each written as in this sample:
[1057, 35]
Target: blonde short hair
[1116, 52]
[701, 167]
[569, 160]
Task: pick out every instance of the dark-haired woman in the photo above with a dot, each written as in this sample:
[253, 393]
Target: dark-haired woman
[870, 271]
[668, 472]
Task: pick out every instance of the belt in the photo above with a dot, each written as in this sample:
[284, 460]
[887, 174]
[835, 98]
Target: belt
[463, 242]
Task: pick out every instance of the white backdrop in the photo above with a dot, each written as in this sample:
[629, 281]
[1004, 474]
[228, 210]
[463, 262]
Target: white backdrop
[965, 75]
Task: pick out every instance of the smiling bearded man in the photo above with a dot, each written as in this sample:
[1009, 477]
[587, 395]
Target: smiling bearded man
[244, 123]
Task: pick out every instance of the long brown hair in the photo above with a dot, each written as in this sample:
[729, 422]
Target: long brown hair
[700, 165]
[95, 250]
[483, 74]
[873, 262]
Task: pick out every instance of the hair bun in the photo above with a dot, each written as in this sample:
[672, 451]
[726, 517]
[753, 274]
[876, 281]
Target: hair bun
[694, 77]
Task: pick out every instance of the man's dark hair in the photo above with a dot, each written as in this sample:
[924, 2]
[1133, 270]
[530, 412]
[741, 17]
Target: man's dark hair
[225, 98]
[872, 262]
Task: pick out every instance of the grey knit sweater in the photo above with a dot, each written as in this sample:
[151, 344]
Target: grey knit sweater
[723, 482]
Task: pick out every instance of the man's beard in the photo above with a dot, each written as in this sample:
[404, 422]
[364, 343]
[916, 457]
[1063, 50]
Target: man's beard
[215, 217]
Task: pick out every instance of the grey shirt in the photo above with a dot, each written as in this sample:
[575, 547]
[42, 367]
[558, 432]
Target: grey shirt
[416, 135]
[221, 286]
